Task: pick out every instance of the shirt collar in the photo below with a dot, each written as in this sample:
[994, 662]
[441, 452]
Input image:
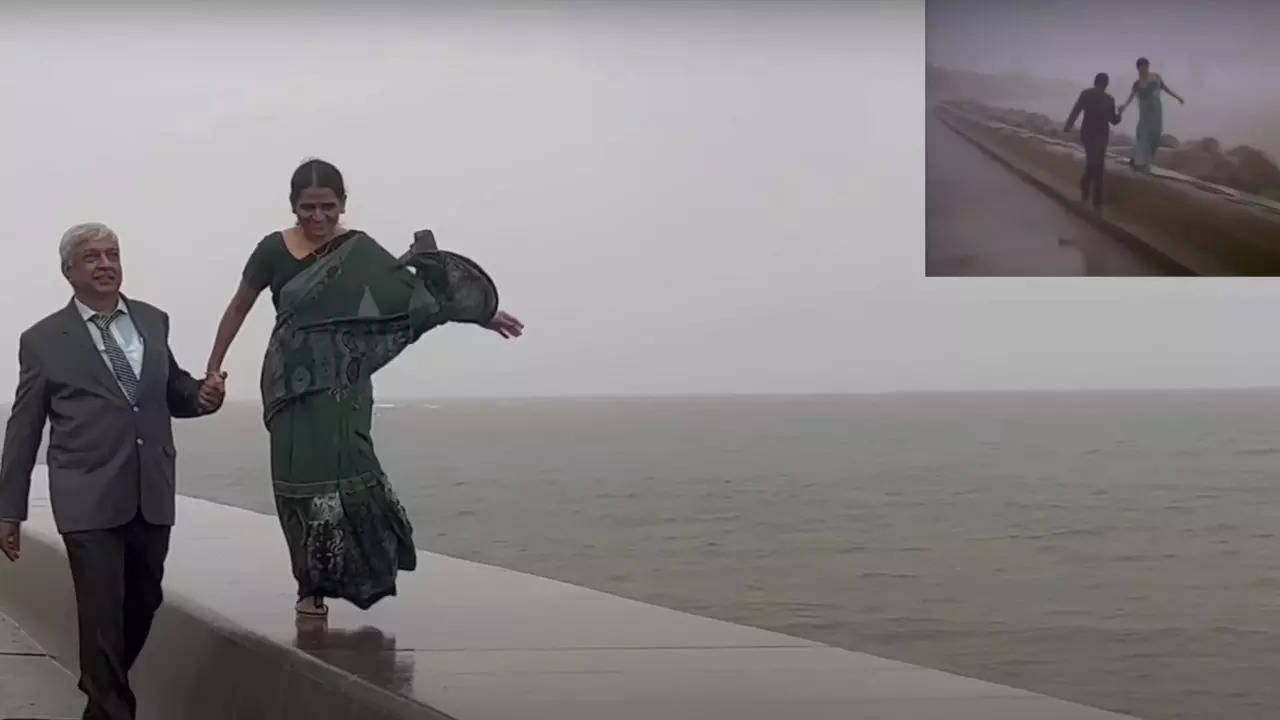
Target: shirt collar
[87, 312]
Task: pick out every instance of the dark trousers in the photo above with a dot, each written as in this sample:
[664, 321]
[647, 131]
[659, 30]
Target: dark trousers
[117, 576]
[1095, 156]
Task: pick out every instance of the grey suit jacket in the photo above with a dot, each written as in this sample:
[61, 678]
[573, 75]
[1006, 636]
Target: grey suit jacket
[107, 459]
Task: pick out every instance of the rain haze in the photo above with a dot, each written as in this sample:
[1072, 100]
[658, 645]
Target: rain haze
[677, 198]
[715, 198]
[1221, 56]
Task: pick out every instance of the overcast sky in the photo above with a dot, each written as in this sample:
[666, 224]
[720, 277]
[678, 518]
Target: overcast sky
[1065, 39]
[689, 197]
[1222, 56]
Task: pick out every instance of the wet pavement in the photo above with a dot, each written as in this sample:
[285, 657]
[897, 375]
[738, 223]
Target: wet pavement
[983, 220]
[32, 685]
[470, 642]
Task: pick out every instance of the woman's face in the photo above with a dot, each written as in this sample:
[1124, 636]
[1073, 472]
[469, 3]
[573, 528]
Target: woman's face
[1143, 69]
[318, 210]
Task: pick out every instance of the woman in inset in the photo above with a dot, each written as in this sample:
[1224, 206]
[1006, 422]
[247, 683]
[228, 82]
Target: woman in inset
[1147, 89]
[344, 308]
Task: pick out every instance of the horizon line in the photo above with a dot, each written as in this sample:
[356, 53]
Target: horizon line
[1089, 390]
[388, 399]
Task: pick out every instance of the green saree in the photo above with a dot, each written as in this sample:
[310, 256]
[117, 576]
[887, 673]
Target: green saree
[339, 321]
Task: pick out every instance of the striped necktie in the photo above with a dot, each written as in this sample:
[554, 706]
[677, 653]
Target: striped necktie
[119, 363]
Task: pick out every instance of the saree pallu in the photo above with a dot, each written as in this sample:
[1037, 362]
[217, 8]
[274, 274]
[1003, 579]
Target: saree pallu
[339, 321]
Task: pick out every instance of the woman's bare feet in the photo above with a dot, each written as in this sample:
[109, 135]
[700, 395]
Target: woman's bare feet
[312, 607]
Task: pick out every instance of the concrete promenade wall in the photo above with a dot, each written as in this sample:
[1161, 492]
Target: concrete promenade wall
[1192, 225]
[466, 641]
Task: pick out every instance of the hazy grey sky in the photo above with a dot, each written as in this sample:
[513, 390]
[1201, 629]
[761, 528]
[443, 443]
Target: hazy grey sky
[1061, 38]
[1222, 56]
[676, 197]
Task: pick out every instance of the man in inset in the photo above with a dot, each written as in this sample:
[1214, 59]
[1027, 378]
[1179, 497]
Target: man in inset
[1100, 114]
[100, 373]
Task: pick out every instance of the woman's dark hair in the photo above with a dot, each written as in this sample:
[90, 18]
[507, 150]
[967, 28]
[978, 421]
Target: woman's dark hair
[316, 173]
[1144, 61]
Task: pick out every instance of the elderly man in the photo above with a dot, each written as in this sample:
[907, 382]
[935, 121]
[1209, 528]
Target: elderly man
[101, 373]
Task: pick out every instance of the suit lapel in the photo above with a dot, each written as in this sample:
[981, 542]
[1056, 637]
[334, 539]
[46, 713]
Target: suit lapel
[86, 353]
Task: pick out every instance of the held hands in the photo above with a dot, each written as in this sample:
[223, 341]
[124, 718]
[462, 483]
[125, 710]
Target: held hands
[506, 325]
[11, 539]
[213, 390]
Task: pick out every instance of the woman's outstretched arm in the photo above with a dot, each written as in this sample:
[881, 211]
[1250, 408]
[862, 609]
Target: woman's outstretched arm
[1169, 90]
[506, 325]
[1129, 99]
[232, 318]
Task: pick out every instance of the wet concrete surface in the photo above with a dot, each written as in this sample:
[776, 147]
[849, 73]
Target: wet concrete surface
[983, 220]
[472, 642]
[32, 685]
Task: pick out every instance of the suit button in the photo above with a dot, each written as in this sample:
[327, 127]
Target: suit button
[139, 441]
[135, 408]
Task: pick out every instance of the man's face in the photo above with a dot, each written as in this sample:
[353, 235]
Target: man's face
[94, 267]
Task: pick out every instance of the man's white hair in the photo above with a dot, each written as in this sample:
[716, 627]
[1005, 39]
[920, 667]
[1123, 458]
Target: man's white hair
[78, 235]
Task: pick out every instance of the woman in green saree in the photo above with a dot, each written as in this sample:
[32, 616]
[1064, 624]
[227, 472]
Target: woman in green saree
[1147, 89]
[344, 308]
